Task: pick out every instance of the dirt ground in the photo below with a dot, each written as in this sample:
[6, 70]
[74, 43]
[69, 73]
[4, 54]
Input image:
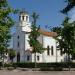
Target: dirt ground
[18, 72]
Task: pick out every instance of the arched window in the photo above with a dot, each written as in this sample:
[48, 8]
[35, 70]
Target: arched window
[26, 18]
[18, 44]
[18, 57]
[38, 58]
[18, 36]
[28, 58]
[23, 18]
[48, 50]
[52, 50]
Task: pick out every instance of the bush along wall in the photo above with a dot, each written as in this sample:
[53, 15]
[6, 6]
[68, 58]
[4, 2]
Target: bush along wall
[32, 65]
[42, 66]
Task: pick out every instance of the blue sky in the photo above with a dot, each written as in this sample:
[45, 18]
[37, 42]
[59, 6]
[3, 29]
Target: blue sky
[48, 10]
[72, 14]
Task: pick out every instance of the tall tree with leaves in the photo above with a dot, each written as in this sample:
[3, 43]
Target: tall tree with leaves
[67, 32]
[34, 43]
[67, 40]
[70, 5]
[57, 30]
[70, 28]
[6, 23]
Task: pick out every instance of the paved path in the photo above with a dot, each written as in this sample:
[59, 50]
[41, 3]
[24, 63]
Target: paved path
[16, 72]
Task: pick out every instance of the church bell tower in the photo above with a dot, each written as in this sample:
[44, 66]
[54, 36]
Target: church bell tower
[24, 21]
[24, 17]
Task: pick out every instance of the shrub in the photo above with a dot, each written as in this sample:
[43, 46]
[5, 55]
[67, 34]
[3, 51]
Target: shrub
[24, 65]
[7, 65]
[43, 66]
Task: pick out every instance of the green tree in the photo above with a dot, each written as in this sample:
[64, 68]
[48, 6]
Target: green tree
[67, 35]
[67, 40]
[6, 23]
[34, 43]
[57, 30]
[70, 5]
[69, 31]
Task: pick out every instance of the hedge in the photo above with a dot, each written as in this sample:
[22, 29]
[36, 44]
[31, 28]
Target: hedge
[40, 65]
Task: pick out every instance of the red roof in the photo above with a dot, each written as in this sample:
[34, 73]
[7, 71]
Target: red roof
[46, 33]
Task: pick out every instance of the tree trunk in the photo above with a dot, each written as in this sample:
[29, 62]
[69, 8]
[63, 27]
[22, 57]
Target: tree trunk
[3, 61]
[56, 56]
[69, 62]
[35, 60]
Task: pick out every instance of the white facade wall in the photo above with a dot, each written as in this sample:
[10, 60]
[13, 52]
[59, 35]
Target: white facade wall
[28, 53]
[40, 57]
[27, 46]
[20, 40]
[22, 30]
[49, 41]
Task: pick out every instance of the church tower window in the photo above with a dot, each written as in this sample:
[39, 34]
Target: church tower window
[48, 52]
[23, 18]
[52, 50]
[26, 18]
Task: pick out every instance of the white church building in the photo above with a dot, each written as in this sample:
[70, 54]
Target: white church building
[23, 49]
